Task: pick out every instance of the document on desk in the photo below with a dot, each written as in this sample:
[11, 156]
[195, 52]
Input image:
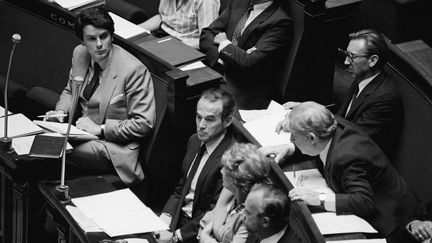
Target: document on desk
[330, 223]
[359, 241]
[263, 130]
[310, 178]
[18, 126]
[250, 115]
[125, 28]
[86, 224]
[22, 145]
[2, 112]
[119, 213]
[62, 128]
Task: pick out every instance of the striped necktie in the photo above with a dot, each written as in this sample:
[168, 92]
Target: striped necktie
[241, 24]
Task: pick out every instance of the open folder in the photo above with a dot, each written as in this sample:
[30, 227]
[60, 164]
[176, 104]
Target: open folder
[75, 133]
[18, 126]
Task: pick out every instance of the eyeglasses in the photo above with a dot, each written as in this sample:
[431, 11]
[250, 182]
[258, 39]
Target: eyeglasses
[352, 56]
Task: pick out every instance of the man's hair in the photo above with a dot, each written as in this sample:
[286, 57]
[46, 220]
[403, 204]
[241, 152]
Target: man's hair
[228, 103]
[311, 117]
[97, 16]
[274, 204]
[375, 44]
[245, 166]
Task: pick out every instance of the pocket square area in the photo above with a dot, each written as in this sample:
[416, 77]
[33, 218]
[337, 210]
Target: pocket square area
[117, 99]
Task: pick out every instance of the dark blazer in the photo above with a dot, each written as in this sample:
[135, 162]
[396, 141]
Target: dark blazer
[290, 236]
[251, 78]
[377, 111]
[365, 182]
[207, 190]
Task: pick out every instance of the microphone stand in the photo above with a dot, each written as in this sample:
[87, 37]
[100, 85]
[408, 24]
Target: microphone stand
[62, 189]
[5, 141]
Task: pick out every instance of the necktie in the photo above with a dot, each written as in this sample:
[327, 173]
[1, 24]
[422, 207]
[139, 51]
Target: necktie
[93, 84]
[354, 96]
[194, 167]
[241, 24]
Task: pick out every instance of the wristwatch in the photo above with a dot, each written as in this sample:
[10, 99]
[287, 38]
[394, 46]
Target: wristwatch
[322, 197]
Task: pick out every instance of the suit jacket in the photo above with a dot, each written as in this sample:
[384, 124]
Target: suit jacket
[377, 111]
[207, 190]
[290, 236]
[365, 182]
[251, 78]
[124, 102]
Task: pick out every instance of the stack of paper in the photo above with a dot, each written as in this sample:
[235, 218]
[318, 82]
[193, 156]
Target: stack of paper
[330, 223]
[310, 178]
[74, 4]
[62, 128]
[125, 28]
[119, 213]
[18, 126]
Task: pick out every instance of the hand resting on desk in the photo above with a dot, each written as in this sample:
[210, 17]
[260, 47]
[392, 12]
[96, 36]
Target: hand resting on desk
[52, 116]
[279, 151]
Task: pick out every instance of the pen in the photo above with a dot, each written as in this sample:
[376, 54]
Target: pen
[330, 105]
[167, 39]
[55, 115]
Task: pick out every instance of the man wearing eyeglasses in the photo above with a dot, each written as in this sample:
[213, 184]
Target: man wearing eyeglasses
[373, 101]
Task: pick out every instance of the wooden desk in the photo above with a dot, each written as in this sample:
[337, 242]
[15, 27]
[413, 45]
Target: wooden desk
[68, 229]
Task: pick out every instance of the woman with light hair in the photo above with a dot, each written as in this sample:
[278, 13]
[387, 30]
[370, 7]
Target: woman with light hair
[243, 167]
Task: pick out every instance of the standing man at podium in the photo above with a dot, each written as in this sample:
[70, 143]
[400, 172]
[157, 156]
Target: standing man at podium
[116, 101]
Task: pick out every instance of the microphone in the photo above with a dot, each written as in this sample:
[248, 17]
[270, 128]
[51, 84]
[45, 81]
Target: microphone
[80, 64]
[5, 142]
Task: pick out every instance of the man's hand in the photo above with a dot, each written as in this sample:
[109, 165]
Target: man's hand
[51, 116]
[88, 125]
[278, 151]
[421, 230]
[308, 196]
[220, 37]
[206, 234]
[290, 105]
[165, 236]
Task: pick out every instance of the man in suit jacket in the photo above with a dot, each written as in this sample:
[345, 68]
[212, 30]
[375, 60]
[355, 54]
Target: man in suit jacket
[251, 47]
[200, 185]
[363, 180]
[119, 108]
[266, 215]
[374, 101]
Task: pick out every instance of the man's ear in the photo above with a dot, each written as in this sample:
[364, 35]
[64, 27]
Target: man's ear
[227, 122]
[313, 138]
[373, 60]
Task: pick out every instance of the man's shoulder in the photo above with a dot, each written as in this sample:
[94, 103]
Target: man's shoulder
[126, 60]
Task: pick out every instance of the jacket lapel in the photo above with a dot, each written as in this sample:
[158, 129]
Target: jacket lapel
[257, 21]
[368, 90]
[108, 85]
[212, 162]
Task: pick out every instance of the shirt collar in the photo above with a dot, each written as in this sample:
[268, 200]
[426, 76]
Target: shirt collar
[324, 152]
[274, 238]
[212, 144]
[365, 82]
[262, 6]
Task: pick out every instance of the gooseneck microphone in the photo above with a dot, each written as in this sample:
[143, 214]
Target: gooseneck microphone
[6, 143]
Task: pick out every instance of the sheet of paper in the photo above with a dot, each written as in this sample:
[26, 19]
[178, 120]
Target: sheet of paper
[263, 130]
[194, 65]
[310, 178]
[330, 223]
[86, 224]
[60, 127]
[359, 241]
[250, 115]
[22, 145]
[19, 125]
[125, 28]
[72, 4]
[2, 111]
[119, 213]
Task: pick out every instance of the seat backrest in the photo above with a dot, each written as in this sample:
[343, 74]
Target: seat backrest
[296, 11]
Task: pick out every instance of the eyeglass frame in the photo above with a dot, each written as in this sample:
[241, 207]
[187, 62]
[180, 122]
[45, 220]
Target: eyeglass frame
[352, 56]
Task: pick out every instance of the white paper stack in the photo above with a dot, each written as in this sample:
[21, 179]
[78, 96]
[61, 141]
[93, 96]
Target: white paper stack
[119, 213]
